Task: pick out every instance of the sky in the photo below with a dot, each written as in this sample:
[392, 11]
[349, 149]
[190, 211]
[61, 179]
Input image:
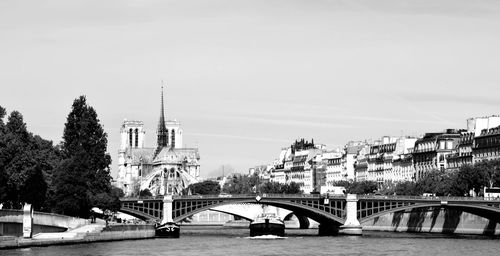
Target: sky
[247, 78]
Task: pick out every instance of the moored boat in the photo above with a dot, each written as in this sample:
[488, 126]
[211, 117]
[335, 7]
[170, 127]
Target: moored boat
[267, 224]
[168, 230]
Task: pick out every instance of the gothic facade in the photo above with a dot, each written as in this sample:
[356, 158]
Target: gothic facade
[167, 168]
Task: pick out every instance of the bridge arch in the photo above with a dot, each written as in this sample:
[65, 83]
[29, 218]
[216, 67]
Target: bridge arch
[138, 214]
[303, 221]
[228, 212]
[315, 214]
[487, 212]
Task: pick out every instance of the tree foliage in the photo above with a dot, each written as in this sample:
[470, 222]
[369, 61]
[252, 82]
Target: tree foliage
[145, 193]
[83, 180]
[407, 188]
[207, 187]
[358, 187]
[26, 164]
[241, 184]
[279, 188]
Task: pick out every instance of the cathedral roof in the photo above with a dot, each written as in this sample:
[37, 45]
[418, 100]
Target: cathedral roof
[177, 155]
[141, 155]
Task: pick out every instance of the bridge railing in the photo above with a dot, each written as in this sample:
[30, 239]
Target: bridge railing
[266, 195]
[235, 196]
[430, 198]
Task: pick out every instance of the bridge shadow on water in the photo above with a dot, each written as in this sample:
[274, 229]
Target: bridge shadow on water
[419, 217]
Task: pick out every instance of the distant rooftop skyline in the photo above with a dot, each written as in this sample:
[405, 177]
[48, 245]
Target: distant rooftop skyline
[247, 78]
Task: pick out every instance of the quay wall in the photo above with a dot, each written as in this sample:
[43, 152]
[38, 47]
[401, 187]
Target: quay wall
[122, 232]
[111, 233]
[433, 220]
[11, 222]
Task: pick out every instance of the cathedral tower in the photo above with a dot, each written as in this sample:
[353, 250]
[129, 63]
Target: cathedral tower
[132, 135]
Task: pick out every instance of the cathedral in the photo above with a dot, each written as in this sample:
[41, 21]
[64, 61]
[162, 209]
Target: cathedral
[166, 169]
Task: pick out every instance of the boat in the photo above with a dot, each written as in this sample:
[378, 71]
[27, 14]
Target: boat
[167, 230]
[267, 224]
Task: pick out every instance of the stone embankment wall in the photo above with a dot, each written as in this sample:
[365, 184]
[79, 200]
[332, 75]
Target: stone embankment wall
[122, 232]
[111, 233]
[11, 222]
[433, 220]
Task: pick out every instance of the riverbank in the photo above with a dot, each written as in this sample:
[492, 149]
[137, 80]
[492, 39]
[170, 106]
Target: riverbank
[433, 220]
[86, 234]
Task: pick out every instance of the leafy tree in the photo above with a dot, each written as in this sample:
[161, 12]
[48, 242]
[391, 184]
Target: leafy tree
[437, 182]
[358, 187]
[363, 187]
[387, 188]
[406, 188]
[71, 195]
[3, 174]
[26, 164]
[207, 187]
[35, 188]
[145, 193]
[242, 184]
[272, 188]
[17, 157]
[83, 179]
[490, 170]
[110, 201]
[292, 188]
[279, 188]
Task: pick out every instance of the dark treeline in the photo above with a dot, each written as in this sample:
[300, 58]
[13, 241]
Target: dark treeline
[242, 184]
[69, 178]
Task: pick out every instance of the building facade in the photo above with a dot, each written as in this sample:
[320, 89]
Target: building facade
[487, 145]
[431, 152]
[167, 168]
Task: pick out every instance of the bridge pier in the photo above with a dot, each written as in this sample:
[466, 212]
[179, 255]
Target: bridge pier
[351, 225]
[328, 229]
[167, 209]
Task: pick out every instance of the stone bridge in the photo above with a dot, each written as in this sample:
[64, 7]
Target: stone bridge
[334, 213]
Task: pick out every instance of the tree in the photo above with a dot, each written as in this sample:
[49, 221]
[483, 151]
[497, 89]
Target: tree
[280, 188]
[358, 187]
[34, 188]
[110, 201]
[71, 195]
[490, 170]
[437, 182]
[241, 184]
[145, 193]
[83, 179]
[26, 164]
[207, 187]
[406, 188]
[17, 158]
[272, 188]
[3, 174]
[292, 188]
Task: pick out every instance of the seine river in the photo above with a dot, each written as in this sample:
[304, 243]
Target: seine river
[202, 241]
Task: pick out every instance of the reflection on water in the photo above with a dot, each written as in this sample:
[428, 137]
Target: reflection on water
[233, 241]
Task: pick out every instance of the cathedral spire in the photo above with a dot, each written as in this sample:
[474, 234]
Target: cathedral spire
[162, 130]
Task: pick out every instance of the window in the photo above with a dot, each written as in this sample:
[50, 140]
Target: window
[167, 137]
[136, 137]
[173, 138]
[130, 137]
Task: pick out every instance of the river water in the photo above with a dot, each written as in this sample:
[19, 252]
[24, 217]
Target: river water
[203, 241]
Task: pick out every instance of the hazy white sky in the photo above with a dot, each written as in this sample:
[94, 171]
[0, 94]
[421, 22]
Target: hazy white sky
[246, 78]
